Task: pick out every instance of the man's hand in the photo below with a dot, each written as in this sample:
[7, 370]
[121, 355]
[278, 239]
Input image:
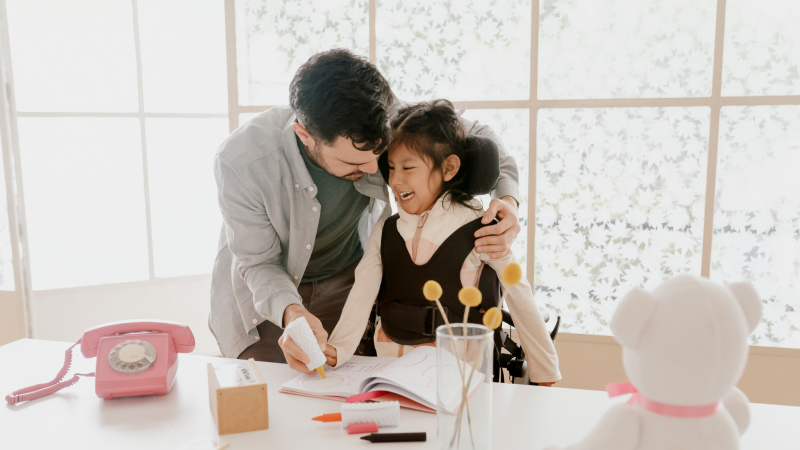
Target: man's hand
[296, 358]
[501, 235]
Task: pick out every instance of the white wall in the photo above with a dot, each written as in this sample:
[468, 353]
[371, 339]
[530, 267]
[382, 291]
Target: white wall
[64, 314]
[12, 318]
[587, 362]
[591, 362]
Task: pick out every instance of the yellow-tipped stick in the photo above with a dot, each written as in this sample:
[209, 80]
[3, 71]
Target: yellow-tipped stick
[321, 370]
[469, 296]
[432, 292]
[491, 319]
[512, 273]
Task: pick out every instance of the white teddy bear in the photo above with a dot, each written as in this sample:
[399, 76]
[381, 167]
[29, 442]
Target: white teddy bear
[684, 349]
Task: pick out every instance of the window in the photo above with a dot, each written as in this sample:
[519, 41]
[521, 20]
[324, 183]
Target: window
[275, 37]
[465, 50]
[757, 213]
[652, 138]
[120, 107]
[621, 108]
[620, 203]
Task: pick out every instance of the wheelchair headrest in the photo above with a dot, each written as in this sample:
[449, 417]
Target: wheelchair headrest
[481, 164]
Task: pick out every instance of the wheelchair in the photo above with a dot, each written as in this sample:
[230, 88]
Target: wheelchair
[514, 360]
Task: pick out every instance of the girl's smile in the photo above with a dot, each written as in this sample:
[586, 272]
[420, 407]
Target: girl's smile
[405, 196]
[417, 185]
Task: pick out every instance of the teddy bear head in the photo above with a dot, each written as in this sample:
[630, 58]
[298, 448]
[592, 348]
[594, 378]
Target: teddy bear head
[685, 343]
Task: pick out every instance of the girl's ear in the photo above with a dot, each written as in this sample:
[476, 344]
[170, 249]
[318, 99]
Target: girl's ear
[450, 167]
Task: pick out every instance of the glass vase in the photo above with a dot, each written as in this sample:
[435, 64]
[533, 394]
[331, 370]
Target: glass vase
[464, 358]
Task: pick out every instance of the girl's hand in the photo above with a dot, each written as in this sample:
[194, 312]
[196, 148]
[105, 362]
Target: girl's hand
[330, 354]
[547, 384]
[501, 235]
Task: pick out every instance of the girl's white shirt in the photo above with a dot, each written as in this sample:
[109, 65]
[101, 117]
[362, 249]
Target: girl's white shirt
[437, 224]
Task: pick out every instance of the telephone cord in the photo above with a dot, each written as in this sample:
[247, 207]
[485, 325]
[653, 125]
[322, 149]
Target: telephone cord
[43, 389]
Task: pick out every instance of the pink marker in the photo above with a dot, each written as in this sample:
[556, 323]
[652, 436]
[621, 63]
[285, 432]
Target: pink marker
[361, 428]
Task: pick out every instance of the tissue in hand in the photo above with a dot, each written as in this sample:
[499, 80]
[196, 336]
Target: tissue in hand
[301, 334]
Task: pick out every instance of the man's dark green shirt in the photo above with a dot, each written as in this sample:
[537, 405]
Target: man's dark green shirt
[337, 244]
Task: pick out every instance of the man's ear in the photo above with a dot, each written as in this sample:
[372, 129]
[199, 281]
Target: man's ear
[302, 133]
[631, 317]
[749, 300]
[450, 167]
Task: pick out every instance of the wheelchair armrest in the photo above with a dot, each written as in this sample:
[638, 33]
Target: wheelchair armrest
[546, 316]
[507, 316]
[554, 333]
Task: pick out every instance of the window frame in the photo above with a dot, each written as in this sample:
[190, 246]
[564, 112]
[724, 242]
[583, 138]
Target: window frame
[14, 182]
[533, 104]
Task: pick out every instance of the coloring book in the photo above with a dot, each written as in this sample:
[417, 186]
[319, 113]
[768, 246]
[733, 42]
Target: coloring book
[410, 380]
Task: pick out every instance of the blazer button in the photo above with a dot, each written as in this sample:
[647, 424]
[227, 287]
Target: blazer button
[297, 186]
[315, 209]
[257, 338]
[308, 246]
[295, 277]
[311, 189]
[255, 321]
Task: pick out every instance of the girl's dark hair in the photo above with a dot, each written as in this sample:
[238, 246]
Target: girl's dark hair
[336, 93]
[432, 130]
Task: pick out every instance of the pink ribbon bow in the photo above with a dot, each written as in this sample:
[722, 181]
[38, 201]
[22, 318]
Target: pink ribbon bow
[664, 409]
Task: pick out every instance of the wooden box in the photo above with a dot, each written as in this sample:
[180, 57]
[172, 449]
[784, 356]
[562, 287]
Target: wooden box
[239, 408]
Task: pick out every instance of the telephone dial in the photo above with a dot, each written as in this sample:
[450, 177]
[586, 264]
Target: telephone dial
[134, 357]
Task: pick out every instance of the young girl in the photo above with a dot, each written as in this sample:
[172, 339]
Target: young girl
[431, 238]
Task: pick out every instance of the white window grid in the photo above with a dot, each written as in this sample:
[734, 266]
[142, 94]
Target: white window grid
[715, 102]
[14, 182]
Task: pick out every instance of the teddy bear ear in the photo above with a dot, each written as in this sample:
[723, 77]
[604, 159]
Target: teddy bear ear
[749, 300]
[631, 317]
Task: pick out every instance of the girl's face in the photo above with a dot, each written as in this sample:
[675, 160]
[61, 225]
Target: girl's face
[416, 187]
[415, 183]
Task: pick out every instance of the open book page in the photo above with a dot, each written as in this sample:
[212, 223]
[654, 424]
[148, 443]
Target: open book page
[414, 376]
[342, 381]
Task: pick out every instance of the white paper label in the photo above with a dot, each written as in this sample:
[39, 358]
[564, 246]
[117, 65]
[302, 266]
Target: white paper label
[231, 375]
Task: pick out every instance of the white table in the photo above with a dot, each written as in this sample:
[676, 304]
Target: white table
[523, 417]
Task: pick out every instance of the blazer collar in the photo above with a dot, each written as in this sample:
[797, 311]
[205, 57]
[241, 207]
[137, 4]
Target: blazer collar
[300, 175]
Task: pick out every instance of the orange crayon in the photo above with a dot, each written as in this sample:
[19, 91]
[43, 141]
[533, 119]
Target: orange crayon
[337, 417]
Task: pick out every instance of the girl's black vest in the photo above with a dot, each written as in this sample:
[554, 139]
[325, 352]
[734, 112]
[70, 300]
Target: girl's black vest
[406, 316]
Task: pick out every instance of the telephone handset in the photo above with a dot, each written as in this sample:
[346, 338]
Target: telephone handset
[135, 357]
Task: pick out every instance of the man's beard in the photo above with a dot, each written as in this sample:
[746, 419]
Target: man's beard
[318, 160]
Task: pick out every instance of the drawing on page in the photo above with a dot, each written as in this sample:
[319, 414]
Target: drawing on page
[319, 384]
[426, 379]
[359, 367]
[416, 369]
[414, 358]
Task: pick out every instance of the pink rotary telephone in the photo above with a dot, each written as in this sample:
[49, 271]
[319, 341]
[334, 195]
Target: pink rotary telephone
[134, 358]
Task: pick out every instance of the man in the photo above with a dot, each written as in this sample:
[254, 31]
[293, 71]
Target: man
[299, 190]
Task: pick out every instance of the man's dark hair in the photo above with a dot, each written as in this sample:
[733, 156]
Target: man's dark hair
[336, 93]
